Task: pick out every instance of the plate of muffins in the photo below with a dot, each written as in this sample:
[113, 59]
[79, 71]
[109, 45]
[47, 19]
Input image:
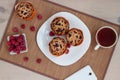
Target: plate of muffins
[63, 38]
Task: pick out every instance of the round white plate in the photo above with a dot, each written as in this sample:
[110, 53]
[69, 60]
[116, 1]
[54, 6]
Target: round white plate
[75, 53]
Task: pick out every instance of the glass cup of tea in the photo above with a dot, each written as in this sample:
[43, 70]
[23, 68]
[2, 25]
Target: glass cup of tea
[106, 37]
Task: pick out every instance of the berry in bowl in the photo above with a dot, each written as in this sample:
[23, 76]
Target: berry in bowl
[17, 44]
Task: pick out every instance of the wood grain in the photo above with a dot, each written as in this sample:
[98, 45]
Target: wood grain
[98, 60]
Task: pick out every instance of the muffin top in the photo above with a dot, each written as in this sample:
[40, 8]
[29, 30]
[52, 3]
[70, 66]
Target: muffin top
[57, 46]
[24, 10]
[74, 37]
[60, 26]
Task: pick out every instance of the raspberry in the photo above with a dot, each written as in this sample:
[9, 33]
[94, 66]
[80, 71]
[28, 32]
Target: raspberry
[23, 26]
[8, 43]
[67, 51]
[13, 42]
[18, 47]
[16, 44]
[18, 51]
[23, 48]
[32, 28]
[38, 60]
[11, 37]
[10, 49]
[15, 29]
[19, 39]
[25, 59]
[52, 33]
[39, 16]
[14, 49]
[68, 45]
[21, 36]
[22, 43]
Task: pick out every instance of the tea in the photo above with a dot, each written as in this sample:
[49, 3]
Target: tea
[106, 37]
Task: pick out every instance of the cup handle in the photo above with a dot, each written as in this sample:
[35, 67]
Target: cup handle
[96, 47]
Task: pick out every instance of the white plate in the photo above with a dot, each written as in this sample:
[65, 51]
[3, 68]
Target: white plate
[75, 53]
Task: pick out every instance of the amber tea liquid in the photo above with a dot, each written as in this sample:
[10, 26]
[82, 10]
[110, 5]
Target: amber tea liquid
[106, 37]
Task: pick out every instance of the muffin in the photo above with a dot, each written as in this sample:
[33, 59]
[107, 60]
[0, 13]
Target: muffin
[57, 46]
[60, 26]
[25, 10]
[74, 37]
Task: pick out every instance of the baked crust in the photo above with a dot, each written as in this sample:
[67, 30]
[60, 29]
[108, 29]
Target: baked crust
[60, 26]
[25, 10]
[74, 37]
[57, 46]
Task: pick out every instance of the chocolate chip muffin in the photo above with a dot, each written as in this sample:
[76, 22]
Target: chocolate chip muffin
[57, 46]
[74, 37]
[60, 26]
[25, 10]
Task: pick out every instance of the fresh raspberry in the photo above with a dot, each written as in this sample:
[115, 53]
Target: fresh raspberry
[13, 42]
[9, 43]
[39, 16]
[10, 49]
[23, 26]
[18, 47]
[68, 45]
[15, 29]
[18, 51]
[21, 36]
[19, 39]
[16, 43]
[38, 60]
[22, 43]
[25, 59]
[23, 48]
[67, 51]
[52, 33]
[14, 49]
[32, 28]
[11, 37]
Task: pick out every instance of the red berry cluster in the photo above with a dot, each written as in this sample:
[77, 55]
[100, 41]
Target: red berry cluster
[16, 44]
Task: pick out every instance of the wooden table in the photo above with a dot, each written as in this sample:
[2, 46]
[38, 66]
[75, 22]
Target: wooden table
[98, 60]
